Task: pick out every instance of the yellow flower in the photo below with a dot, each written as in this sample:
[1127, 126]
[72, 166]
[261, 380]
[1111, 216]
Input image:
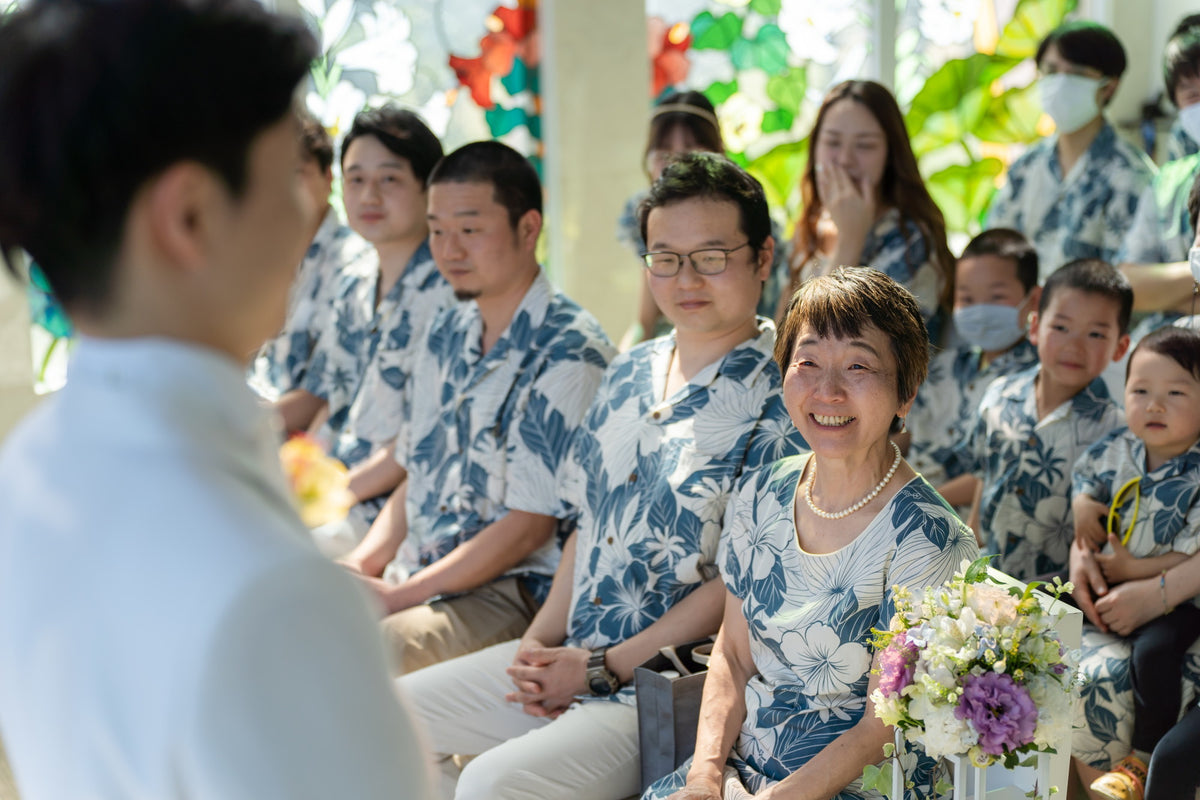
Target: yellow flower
[319, 482]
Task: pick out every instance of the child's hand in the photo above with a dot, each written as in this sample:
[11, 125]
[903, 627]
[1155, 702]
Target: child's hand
[1090, 516]
[1118, 565]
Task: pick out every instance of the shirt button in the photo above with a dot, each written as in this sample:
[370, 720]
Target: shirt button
[596, 601]
[610, 540]
[970, 386]
[1032, 441]
[633, 477]
[657, 414]
[443, 508]
[1020, 490]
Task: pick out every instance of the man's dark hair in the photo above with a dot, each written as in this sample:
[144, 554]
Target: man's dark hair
[1181, 60]
[97, 97]
[1087, 44]
[1094, 276]
[402, 132]
[1009, 244]
[1186, 24]
[711, 176]
[315, 141]
[515, 183]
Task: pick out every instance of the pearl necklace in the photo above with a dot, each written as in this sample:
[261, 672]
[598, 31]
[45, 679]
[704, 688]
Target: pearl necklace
[808, 498]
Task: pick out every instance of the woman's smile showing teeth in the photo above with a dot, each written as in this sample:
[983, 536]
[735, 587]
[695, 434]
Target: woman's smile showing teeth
[835, 422]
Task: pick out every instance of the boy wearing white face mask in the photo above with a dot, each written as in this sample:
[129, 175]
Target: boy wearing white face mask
[1154, 254]
[995, 289]
[1074, 193]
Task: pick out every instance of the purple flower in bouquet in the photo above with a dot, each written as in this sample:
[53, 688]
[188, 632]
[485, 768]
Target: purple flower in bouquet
[896, 665]
[1000, 709]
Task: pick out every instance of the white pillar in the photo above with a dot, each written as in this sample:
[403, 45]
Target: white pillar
[595, 77]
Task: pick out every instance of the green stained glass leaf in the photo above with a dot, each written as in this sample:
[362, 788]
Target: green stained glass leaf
[715, 33]
[778, 170]
[1030, 23]
[951, 126]
[778, 120]
[720, 91]
[787, 90]
[768, 8]
[739, 159]
[741, 53]
[963, 192]
[946, 88]
[502, 120]
[771, 49]
[517, 79]
[1012, 117]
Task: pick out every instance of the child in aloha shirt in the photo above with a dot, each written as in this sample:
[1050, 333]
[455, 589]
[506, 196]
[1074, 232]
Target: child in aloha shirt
[995, 289]
[1034, 424]
[1160, 515]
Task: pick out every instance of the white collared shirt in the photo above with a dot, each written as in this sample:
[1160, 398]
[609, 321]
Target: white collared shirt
[168, 630]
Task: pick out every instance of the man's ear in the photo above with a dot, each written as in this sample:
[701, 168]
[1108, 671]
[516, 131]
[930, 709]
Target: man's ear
[1033, 328]
[1108, 90]
[529, 226]
[181, 205]
[1122, 346]
[766, 257]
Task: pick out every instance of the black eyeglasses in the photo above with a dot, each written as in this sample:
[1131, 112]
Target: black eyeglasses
[708, 261]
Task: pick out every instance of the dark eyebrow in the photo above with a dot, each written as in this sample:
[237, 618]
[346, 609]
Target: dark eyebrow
[862, 344]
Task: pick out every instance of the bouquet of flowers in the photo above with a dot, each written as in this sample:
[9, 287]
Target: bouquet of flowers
[973, 667]
[319, 482]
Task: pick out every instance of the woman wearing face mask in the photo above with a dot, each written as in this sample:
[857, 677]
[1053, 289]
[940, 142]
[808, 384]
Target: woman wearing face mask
[1183, 139]
[1154, 254]
[865, 203]
[1074, 193]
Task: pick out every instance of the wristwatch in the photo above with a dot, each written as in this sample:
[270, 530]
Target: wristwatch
[601, 680]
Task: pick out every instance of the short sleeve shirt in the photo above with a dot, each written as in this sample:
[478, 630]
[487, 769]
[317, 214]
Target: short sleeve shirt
[1168, 498]
[282, 363]
[810, 615]
[649, 479]
[365, 356]
[1162, 231]
[1025, 464]
[947, 406]
[898, 248]
[489, 433]
[1179, 144]
[1083, 214]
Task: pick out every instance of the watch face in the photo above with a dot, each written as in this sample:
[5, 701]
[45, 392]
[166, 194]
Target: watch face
[599, 686]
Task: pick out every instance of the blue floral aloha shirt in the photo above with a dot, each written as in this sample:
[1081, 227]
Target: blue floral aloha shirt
[898, 248]
[810, 618]
[1179, 144]
[947, 406]
[649, 479]
[1084, 214]
[282, 362]
[630, 235]
[490, 432]
[1168, 519]
[1025, 464]
[1162, 232]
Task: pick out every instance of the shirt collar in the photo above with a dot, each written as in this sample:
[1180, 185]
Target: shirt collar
[743, 363]
[533, 307]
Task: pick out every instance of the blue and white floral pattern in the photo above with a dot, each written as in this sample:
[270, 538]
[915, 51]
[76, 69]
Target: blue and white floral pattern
[1168, 502]
[1179, 144]
[947, 406]
[364, 332]
[810, 617]
[489, 433]
[1025, 464]
[1162, 231]
[1083, 214]
[898, 249]
[649, 480]
[282, 362]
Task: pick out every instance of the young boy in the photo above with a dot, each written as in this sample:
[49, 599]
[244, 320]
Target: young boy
[1034, 424]
[995, 291]
[282, 363]
[167, 631]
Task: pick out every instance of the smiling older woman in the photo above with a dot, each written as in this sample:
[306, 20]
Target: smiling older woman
[817, 545]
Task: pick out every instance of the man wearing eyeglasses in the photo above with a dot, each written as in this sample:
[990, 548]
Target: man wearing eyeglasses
[676, 423]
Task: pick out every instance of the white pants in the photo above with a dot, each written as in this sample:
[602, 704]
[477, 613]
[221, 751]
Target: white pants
[589, 752]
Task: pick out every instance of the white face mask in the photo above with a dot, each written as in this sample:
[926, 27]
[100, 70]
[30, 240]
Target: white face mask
[1194, 263]
[991, 328]
[1189, 118]
[1070, 100]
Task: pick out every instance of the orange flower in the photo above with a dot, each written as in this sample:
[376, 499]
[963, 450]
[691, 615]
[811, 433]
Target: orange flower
[319, 482]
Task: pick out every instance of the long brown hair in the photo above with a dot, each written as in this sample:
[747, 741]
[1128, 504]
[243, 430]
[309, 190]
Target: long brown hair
[901, 188]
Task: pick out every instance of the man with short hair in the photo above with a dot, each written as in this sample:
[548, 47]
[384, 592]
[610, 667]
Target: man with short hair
[282, 363]
[168, 632]
[463, 552]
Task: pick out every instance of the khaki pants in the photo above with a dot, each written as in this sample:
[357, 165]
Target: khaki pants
[431, 633]
[8, 788]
